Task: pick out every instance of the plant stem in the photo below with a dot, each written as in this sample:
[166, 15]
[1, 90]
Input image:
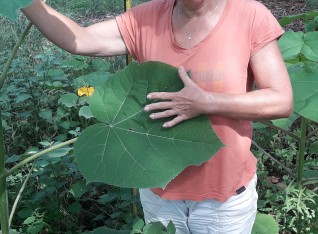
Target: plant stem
[288, 170]
[300, 166]
[3, 187]
[301, 153]
[15, 204]
[297, 138]
[13, 54]
[35, 156]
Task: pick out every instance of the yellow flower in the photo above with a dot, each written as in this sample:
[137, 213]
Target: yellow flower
[87, 91]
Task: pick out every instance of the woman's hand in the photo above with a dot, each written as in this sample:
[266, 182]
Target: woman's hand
[185, 104]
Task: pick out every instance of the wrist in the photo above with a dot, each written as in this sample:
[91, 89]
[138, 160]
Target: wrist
[210, 102]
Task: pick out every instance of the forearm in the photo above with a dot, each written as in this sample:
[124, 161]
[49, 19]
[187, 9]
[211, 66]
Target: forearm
[59, 29]
[256, 105]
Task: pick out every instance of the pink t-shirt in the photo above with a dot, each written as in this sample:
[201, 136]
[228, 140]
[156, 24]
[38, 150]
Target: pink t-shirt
[219, 63]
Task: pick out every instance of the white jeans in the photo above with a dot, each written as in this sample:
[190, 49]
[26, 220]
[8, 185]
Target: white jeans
[235, 216]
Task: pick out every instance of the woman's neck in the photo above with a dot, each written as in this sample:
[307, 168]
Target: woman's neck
[197, 8]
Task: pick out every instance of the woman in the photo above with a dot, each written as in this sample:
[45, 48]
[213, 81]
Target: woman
[226, 45]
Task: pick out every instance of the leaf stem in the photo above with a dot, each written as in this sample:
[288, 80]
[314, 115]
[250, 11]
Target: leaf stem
[35, 156]
[15, 204]
[300, 166]
[301, 152]
[297, 138]
[13, 54]
[3, 186]
[288, 170]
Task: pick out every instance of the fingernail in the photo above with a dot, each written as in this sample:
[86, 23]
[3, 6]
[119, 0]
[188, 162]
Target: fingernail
[152, 116]
[149, 96]
[146, 108]
[165, 125]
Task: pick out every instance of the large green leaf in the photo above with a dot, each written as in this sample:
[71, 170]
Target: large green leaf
[128, 149]
[293, 45]
[305, 89]
[10, 8]
[265, 224]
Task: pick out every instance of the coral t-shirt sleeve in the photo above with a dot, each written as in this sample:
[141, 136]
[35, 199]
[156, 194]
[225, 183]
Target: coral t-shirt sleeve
[265, 28]
[127, 24]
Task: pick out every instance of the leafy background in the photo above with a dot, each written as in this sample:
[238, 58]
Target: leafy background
[40, 108]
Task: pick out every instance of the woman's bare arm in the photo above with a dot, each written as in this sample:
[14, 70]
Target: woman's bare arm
[101, 39]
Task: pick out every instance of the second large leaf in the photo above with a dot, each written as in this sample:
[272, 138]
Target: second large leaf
[128, 149]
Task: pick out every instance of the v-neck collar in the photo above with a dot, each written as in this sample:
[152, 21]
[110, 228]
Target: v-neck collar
[212, 32]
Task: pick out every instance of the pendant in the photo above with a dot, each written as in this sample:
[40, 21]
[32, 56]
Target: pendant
[190, 37]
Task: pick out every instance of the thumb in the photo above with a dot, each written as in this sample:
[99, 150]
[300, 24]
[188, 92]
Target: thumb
[184, 76]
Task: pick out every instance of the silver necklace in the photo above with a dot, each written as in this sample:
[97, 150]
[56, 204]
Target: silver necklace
[190, 35]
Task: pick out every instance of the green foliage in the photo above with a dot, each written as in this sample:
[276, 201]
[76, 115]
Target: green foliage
[311, 25]
[10, 8]
[128, 148]
[139, 227]
[304, 16]
[299, 209]
[265, 224]
[296, 45]
[305, 86]
[294, 206]
[40, 108]
[312, 3]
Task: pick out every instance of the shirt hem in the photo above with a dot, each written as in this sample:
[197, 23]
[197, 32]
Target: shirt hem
[207, 196]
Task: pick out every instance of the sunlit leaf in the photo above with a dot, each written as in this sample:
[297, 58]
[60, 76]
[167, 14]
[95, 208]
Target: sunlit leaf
[305, 90]
[138, 225]
[57, 153]
[68, 99]
[265, 224]
[86, 112]
[154, 228]
[296, 44]
[171, 229]
[128, 149]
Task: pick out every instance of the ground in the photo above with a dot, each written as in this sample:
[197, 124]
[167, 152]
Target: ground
[281, 8]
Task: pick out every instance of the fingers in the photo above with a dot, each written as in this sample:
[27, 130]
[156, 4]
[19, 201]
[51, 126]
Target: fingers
[173, 122]
[159, 106]
[170, 95]
[163, 114]
[168, 102]
[161, 96]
